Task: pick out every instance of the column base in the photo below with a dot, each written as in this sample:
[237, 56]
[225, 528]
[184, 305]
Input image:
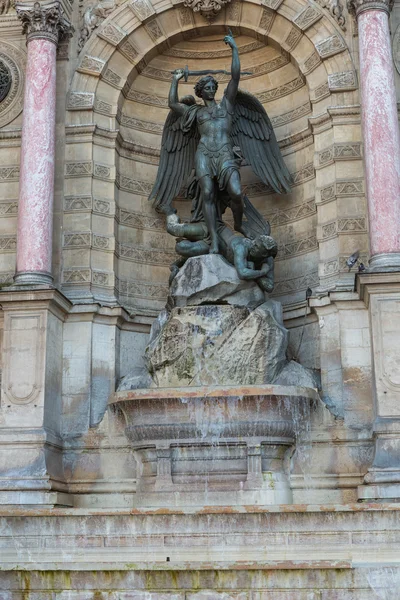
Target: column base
[386, 262]
[33, 278]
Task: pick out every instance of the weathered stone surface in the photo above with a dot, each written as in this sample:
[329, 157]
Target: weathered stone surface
[138, 378]
[295, 374]
[211, 279]
[218, 344]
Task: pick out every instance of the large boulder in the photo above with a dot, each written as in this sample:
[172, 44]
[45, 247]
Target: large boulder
[210, 279]
[218, 345]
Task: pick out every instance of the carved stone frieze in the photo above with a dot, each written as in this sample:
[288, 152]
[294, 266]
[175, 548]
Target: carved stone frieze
[77, 203]
[330, 46]
[292, 39]
[45, 21]
[234, 11]
[209, 9]
[91, 65]
[138, 124]
[294, 213]
[266, 20]
[339, 82]
[129, 51]
[307, 17]
[103, 107]
[296, 247]
[330, 267]
[8, 243]
[274, 4]
[142, 289]
[77, 275]
[311, 63]
[78, 169]
[9, 173]
[143, 9]
[135, 186]
[102, 207]
[8, 208]
[320, 92]
[101, 171]
[102, 278]
[185, 16]
[292, 115]
[145, 255]
[217, 53]
[282, 90]
[77, 240]
[154, 30]
[81, 100]
[358, 6]
[112, 34]
[296, 284]
[140, 220]
[340, 151]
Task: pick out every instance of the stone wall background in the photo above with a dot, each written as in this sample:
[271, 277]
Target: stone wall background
[111, 253]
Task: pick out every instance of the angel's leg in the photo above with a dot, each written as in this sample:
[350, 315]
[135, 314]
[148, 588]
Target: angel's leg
[234, 190]
[209, 210]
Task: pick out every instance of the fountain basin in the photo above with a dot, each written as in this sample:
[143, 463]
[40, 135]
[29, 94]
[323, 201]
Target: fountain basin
[215, 444]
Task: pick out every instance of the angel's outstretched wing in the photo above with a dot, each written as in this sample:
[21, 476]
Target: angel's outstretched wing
[178, 148]
[252, 132]
[254, 223]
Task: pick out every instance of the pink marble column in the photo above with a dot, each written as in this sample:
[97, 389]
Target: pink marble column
[380, 132]
[43, 25]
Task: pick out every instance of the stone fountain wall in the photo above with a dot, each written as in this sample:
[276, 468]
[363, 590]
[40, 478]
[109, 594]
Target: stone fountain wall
[68, 477]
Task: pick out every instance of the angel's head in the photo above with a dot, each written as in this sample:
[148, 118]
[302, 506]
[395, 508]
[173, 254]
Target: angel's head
[206, 87]
[264, 246]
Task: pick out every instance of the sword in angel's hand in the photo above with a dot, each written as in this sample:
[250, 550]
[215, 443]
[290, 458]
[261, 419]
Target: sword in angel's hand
[187, 73]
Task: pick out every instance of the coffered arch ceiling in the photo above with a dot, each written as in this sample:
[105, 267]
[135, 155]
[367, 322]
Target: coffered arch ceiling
[301, 69]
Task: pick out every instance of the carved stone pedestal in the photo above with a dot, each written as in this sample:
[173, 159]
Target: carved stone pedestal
[381, 293]
[30, 392]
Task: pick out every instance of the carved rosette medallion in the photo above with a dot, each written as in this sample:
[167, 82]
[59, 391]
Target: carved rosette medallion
[209, 9]
[5, 80]
[44, 21]
[12, 67]
[358, 6]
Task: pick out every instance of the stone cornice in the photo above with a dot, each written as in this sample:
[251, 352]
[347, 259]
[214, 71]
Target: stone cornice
[358, 6]
[44, 21]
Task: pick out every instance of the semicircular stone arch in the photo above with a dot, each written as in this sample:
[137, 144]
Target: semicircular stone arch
[303, 73]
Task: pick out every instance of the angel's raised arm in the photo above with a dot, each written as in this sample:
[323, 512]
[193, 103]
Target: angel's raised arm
[235, 69]
[173, 100]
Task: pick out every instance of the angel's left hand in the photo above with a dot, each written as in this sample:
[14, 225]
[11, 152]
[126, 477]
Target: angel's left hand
[228, 39]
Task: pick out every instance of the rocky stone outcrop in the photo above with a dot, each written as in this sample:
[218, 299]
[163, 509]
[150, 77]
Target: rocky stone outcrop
[210, 279]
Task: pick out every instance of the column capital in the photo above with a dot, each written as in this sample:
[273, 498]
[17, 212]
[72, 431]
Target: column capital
[44, 21]
[358, 6]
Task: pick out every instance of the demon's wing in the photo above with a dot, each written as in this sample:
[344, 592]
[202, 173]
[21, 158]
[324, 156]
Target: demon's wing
[178, 148]
[252, 132]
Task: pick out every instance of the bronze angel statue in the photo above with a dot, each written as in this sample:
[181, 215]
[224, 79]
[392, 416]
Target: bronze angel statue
[203, 138]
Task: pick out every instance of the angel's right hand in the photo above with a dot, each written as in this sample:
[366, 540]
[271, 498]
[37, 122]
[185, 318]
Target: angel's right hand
[178, 74]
